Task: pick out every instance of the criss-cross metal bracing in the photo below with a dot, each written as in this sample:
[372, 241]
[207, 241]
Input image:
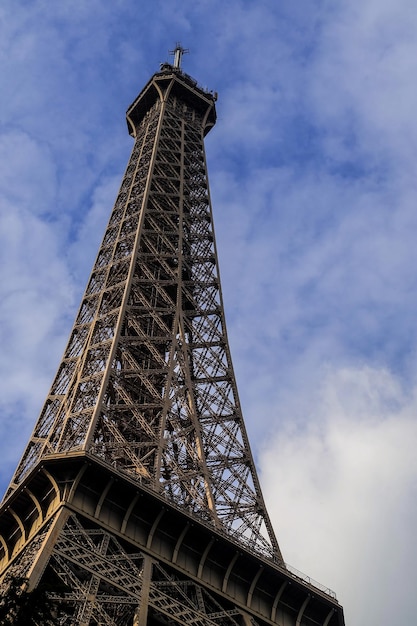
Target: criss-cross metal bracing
[113, 553]
[102, 583]
[146, 382]
[96, 581]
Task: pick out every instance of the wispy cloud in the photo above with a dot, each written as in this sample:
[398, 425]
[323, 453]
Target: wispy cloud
[346, 478]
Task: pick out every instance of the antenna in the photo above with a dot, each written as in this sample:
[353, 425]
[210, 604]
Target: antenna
[178, 52]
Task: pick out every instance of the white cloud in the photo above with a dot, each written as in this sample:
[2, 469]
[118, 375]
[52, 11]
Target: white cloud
[28, 173]
[36, 291]
[342, 487]
[362, 79]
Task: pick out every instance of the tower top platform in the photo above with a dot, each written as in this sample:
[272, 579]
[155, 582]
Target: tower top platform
[172, 81]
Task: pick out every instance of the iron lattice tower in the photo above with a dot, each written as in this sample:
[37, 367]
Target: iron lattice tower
[137, 497]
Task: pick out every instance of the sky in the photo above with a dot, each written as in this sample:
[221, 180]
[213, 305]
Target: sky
[312, 169]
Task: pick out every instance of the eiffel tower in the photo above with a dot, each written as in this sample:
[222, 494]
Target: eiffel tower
[137, 499]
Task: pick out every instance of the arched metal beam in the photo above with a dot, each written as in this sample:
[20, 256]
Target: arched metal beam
[328, 618]
[154, 527]
[52, 481]
[179, 542]
[229, 570]
[128, 513]
[36, 503]
[103, 497]
[5, 548]
[253, 585]
[19, 523]
[277, 599]
[76, 482]
[301, 611]
[38, 507]
[204, 557]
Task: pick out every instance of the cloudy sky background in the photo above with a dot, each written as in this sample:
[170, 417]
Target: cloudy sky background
[313, 178]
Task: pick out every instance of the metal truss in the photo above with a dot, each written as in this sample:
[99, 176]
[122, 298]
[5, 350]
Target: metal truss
[137, 499]
[146, 382]
[105, 584]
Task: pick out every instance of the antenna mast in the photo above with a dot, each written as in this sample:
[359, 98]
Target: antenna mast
[177, 53]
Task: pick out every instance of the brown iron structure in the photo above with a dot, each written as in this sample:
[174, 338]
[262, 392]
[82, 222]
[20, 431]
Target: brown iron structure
[137, 498]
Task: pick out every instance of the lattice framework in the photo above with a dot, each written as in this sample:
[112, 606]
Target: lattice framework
[102, 583]
[146, 382]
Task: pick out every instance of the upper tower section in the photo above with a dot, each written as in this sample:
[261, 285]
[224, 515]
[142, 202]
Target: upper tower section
[146, 384]
[173, 87]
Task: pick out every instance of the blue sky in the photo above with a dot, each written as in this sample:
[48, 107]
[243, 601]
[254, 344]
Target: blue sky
[313, 179]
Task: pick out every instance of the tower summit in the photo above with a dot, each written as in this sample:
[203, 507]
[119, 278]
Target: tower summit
[137, 497]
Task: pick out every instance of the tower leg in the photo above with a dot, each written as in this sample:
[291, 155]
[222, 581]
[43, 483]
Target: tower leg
[45, 552]
[141, 613]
